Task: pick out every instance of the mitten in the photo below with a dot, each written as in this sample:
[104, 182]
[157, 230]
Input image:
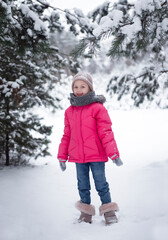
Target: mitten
[62, 165]
[118, 161]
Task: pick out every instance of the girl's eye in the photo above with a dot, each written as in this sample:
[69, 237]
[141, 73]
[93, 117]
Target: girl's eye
[79, 87]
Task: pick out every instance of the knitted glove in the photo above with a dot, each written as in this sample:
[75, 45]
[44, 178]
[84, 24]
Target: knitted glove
[62, 165]
[118, 161]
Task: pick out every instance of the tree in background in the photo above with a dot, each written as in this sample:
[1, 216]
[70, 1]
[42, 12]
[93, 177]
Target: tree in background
[29, 69]
[139, 33]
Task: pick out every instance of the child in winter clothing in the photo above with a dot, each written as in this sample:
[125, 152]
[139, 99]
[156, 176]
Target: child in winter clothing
[88, 141]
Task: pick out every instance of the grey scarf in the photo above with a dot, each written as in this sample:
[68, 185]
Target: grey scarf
[89, 98]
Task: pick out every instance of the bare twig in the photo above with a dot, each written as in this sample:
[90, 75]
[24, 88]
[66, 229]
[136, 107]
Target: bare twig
[164, 71]
[164, 3]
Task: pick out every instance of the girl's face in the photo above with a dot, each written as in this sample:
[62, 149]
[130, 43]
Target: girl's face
[80, 88]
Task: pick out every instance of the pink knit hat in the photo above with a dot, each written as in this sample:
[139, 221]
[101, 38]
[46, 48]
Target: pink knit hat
[84, 76]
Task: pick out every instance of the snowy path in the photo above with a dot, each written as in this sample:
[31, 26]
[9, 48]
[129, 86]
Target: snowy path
[38, 202]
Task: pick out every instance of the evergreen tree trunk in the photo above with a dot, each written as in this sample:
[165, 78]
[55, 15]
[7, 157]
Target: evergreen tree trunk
[7, 149]
[7, 135]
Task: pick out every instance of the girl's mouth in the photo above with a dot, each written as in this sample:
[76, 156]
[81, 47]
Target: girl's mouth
[79, 94]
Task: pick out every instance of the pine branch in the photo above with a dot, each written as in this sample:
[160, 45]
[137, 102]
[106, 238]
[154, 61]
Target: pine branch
[70, 20]
[56, 50]
[79, 49]
[90, 42]
[106, 34]
[109, 32]
[47, 5]
[115, 49]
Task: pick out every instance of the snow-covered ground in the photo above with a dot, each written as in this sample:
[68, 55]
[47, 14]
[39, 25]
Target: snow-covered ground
[38, 202]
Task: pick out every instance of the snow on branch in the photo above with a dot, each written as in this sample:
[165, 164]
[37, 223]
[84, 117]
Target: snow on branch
[38, 24]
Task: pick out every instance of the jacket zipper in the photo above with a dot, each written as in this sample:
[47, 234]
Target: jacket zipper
[82, 147]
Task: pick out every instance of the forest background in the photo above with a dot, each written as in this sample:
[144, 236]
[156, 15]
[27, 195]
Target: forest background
[123, 44]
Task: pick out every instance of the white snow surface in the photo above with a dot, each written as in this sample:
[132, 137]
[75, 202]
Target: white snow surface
[38, 202]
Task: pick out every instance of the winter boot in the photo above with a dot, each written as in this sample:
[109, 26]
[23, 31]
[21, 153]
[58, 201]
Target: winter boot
[87, 211]
[84, 217]
[109, 210]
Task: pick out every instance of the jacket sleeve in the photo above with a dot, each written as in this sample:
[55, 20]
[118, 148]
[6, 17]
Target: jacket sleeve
[105, 133]
[63, 147]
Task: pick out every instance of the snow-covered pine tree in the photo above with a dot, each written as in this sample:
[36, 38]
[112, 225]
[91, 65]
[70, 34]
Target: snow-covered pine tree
[142, 37]
[29, 70]
[85, 25]
[138, 31]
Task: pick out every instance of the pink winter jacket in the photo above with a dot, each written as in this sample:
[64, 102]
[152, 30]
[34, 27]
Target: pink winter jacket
[88, 136]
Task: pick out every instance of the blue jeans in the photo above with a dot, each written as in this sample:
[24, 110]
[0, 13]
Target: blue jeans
[98, 172]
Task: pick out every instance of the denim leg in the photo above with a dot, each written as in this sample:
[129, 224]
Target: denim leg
[82, 170]
[102, 186]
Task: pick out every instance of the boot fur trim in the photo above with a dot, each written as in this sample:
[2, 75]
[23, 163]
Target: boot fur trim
[85, 208]
[108, 207]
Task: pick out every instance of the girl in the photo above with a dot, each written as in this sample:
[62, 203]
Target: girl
[88, 141]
